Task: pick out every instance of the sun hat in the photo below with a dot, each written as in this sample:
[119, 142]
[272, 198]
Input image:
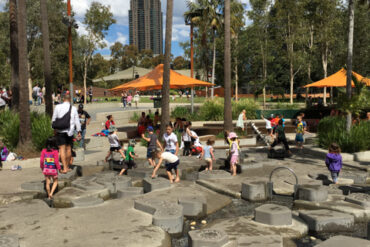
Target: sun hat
[150, 128]
[112, 129]
[232, 135]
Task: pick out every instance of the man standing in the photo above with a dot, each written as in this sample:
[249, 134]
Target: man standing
[36, 94]
[64, 136]
[90, 94]
[84, 121]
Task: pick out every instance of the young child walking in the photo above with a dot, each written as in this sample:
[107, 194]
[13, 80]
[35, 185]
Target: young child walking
[207, 154]
[333, 161]
[153, 142]
[114, 143]
[172, 161]
[49, 164]
[130, 156]
[234, 151]
[299, 133]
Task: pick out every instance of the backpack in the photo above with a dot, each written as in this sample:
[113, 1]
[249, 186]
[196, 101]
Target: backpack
[64, 122]
[49, 165]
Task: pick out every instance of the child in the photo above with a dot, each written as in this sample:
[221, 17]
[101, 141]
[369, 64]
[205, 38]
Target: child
[196, 146]
[130, 156]
[234, 151]
[207, 154]
[299, 133]
[3, 154]
[280, 137]
[153, 142]
[170, 141]
[333, 161]
[49, 164]
[110, 122]
[114, 143]
[172, 161]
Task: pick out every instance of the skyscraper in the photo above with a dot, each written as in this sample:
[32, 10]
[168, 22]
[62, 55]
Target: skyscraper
[145, 18]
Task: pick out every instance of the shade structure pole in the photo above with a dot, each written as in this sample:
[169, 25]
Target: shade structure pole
[324, 98]
[192, 64]
[192, 99]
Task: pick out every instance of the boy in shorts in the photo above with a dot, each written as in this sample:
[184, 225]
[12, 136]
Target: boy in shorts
[130, 156]
[114, 143]
[172, 163]
[153, 142]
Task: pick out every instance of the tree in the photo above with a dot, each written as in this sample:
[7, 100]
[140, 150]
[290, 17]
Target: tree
[14, 53]
[180, 63]
[24, 107]
[165, 117]
[351, 16]
[47, 63]
[98, 19]
[228, 123]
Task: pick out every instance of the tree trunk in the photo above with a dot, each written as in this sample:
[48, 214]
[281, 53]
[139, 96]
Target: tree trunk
[14, 56]
[47, 63]
[351, 15]
[236, 71]
[291, 77]
[264, 71]
[86, 61]
[228, 124]
[24, 107]
[165, 118]
[324, 58]
[213, 65]
[290, 48]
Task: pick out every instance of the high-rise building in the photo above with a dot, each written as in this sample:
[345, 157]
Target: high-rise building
[145, 18]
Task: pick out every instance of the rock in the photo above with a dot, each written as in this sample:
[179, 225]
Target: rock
[80, 155]
[324, 220]
[360, 199]
[69, 175]
[214, 174]
[9, 240]
[130, 191]
[207, 238]
[193, 206]
[87, 184]
[150, 184]
[261, 241]
[140, 172]
[254, 191]
[34, 186]
[362, 156]
[313, 193]
[64, 198]
[273, 214]
[344, 241]
[87, 202]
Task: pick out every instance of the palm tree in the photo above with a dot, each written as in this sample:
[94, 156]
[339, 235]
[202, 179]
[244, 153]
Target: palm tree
[14, 53]
[165, 118]
[47, 64]
[24, 108]
[228, 124]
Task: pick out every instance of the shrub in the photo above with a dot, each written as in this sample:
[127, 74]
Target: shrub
[9, 128]
[333, 129]
[244, 104]
[212, 110]
[41, 129]
[182, 112]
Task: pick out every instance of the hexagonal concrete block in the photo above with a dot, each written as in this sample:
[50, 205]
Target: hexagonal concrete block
[327, 221]
[169, 218]
[261, 241]
[69, 175]
[313, 193]
[128, 192]
[360, 199]
[344, 241]
[9, 240]
[34, 186]
[362, 156]
[140, 172]
[86, 184]
[273, 214]
[358, 177]
[64, 198]
[150, 184]
[193, 206]
[214, 174]
[252, 165]
[87, 202]
[207, 238]
[254, 191]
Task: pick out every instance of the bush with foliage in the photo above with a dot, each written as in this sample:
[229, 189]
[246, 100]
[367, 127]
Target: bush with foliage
[182, 112]
[333, 129]
[41, 129]
[9, 128]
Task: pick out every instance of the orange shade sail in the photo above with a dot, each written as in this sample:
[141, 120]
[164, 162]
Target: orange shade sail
[154, 81]
[338, 79]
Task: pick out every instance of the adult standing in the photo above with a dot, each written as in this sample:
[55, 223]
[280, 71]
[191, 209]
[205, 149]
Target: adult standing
[85, 119]
[91, 94]
[242, 120]
[64, 136]
[124, 99]
[36, 94]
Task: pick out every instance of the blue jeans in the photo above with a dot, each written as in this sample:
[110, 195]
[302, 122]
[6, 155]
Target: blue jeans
[124, 103]
[334, 176]
[82, 141]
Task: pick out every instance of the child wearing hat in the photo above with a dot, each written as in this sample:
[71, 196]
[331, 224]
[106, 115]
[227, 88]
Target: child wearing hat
[153, 142]
[234, 151]
[114, 143]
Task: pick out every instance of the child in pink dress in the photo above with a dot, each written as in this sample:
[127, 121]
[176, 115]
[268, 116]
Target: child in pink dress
[234, 151]
[49, 164]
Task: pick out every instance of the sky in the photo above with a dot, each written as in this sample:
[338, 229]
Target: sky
[120, 31]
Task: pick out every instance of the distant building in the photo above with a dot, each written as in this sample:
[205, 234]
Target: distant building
[145, 17]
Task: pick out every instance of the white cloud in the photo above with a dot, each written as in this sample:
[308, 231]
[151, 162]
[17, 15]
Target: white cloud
[121, 38]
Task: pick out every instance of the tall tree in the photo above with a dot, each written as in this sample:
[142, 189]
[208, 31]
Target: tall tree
[165, 117]
[228, 121]
[47, 62]
[98, 19]
[24, 107]
[14, 56]
[351, 17]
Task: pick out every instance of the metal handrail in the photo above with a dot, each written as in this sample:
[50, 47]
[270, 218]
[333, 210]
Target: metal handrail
[284, 167]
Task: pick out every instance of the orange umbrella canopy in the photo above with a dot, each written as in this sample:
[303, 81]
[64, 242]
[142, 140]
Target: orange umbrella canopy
[154, 81]
[338, 79]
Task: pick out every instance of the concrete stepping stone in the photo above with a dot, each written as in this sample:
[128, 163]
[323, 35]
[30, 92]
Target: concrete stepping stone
[87, 202]
[193, 206]
[130, 191]
[140, 172]
[208, 238]
[273, 214]
[80, 155]
[252, 165]
[312, 193]
[115, 183]
[254, 191]
[87, 184]
[344, 241]
[69, 175]
[261, 241]
[324, 220]
[34, 186]
[360, 199]
[64, 198]
[357, 177]
[9, 240]
[150, 184]
[214, 174]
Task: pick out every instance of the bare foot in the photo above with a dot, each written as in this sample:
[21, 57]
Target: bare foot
[234, 174]
[171, 182]
[206, 169]
[177, 180]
